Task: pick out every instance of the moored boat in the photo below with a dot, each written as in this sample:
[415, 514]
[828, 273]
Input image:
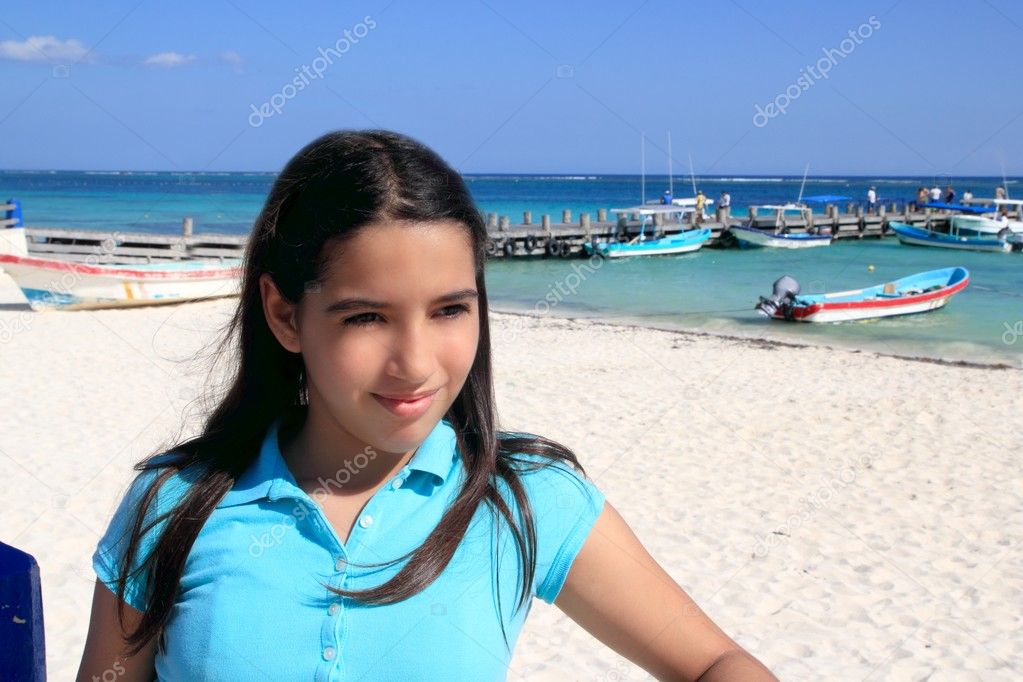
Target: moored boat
[756, 238]
[685, 241]
[971, 225]
[49, 283]
[919, 293]
[954, 239]
[778, 233]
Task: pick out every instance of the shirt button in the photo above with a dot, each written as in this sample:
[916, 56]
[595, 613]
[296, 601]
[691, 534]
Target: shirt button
[328, 653]
[396, 483]
[340, 564]
[366, 521]
[333, 608]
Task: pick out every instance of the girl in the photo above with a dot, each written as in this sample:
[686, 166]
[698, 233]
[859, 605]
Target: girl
[350, 510]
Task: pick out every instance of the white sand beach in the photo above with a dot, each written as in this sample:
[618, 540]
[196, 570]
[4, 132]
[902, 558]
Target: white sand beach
[842, 515]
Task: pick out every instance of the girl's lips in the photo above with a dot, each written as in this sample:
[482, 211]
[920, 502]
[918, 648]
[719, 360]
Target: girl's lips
[406, 408]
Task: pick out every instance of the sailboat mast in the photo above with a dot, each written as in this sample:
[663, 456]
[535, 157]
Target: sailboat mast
[642, 169]
[803, 185]
[692, 175]
[671, 186]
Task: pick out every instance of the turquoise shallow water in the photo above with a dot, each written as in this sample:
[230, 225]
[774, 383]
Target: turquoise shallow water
[712, 290]
[715, 290]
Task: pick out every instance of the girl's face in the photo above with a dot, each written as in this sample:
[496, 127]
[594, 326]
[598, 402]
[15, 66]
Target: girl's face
[395, 316]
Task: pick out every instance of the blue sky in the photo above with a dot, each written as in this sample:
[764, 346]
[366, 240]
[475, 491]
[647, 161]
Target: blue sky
[526, 87]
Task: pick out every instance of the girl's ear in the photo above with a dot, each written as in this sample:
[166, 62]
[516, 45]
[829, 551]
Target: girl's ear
[280, 315]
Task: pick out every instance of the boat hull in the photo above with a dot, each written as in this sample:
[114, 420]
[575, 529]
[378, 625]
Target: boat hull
[55, 284]
[753, 238]
[826, 314]
[872, 302]
[685, 242]
[914, 236]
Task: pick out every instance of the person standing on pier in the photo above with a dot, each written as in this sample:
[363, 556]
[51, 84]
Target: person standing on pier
[999, 192]
[725, 202]
[701, 201]
[922, 197]
[935, 193]
[950, 195]
[666, 199]
[871, 201]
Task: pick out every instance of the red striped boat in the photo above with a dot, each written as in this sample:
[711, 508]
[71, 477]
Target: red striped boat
[58, 284]
[919, 293]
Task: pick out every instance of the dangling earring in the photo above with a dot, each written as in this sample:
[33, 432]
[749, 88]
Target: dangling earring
[303, 390]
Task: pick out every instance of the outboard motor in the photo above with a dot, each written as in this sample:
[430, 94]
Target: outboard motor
[785, 290]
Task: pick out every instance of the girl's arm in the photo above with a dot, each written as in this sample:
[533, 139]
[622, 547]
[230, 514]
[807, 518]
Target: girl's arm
[103, 658]
[618, 593]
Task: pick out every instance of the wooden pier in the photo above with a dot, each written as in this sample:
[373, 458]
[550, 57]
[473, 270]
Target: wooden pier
[546, 238]
[566, 238]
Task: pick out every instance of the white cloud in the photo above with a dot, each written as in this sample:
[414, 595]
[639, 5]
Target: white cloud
[169, 59]
[43, 49]
[234, 59]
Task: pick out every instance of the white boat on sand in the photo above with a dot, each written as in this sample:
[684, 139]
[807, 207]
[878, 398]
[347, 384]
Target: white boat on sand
[50, 283]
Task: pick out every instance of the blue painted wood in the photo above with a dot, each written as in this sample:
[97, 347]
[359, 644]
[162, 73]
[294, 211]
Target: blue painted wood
[15, 212]
[22, 645]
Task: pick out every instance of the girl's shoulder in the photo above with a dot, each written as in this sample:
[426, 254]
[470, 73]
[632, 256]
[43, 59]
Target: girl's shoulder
[170, 480]
[556, 481]
[564, 504]
[164, 485]
[542, 467]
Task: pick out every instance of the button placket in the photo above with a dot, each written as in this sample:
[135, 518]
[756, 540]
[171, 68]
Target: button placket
[330, 640]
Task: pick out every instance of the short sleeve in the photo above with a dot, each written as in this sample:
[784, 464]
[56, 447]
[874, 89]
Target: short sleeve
[109, 555]
[565, 507]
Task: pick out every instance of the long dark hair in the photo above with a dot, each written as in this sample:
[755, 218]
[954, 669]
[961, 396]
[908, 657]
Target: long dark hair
[336, 185]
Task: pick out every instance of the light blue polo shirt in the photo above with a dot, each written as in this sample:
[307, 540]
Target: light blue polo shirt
[250, 603]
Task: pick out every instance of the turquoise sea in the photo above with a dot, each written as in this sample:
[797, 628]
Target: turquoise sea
[711, 290]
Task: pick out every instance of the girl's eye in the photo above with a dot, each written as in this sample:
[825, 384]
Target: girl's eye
[363, 319]
[359, 320]
[456, 310]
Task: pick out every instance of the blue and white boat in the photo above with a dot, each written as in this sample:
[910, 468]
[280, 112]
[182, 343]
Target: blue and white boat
[50, 283]
[991, 221]
[752, 237]
[685, 241]
[954, 239]
[642, 244]
[780, 233]
[919, 293]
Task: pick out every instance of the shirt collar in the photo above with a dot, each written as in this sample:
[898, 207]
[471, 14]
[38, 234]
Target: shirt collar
[268, 477]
